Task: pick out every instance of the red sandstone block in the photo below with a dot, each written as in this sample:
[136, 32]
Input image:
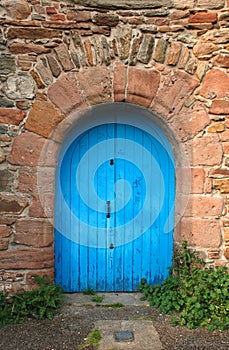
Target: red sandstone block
[215, 83]
[222, 60]
[64, 57]
[16, 48]
[204, 206]
[206, 150]
[33, 232]
[225, 135]
[5, 231]
[64, 93]
[50, 10]
[11, 116]
[204, 233]
[88, 51]
[42, 205]
[203, 17]
[219, 107]
[120, 81]
[95, 83]
[190, 121]
[33, 33]
[26, 149]
[142, 86]
[30, 258]
[173, 94]
[43, 117]
[57, 17]
[12, 204]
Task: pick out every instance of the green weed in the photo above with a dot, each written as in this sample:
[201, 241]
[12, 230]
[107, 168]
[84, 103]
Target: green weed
[38, 303]
[196, 294]
[93, 339]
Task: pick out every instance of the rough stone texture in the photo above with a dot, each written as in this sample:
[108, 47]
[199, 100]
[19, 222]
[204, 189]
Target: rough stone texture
[18, 10]
[30, 258]
[124, 4]
[204, 233]
[142, 86]
[177, 87]
[64, 57]
[190, 121]
[6, 179]
[7, 64]
[211, 4]
[33, 233]
[206, 151]
[160, 50]
[219, 107]
[120, 81]
[215, 83]
[22, 48]
[204, 206]
[20, 87]
[99, 89]
[12, 204]
[26, 149]
[64, 93]
[43, 117]
[11, 116]
[44, 73]
[173, 54]
[34, 33]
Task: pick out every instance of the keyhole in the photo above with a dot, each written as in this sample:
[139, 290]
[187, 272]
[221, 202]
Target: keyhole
[112, 162]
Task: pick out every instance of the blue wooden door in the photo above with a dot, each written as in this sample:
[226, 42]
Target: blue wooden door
[114, 208]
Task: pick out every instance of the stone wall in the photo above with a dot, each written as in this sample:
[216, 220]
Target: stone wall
[60, 57]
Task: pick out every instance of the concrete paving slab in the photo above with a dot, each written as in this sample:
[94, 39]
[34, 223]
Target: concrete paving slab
[145, 335]
[108, 298]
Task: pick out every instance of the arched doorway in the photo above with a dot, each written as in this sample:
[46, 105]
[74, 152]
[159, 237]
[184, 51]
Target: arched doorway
[114, 207]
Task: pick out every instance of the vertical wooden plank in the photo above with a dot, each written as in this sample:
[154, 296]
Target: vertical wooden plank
[110, 221]
[140, 257]
[119, 173]
[102, 220]
[83, 216]
[128, 213]
[75, 228]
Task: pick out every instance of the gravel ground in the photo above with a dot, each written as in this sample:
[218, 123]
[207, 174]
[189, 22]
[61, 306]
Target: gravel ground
[70, 328]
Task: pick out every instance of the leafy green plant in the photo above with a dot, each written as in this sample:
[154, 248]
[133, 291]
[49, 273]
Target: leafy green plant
[38, 303]
[196, 294]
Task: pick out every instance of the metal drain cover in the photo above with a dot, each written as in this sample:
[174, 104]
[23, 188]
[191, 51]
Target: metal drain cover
[124, 336]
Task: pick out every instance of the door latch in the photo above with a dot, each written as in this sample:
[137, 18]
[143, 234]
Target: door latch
[108, 209]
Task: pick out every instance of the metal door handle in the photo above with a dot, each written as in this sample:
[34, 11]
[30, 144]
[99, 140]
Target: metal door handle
[108, 209]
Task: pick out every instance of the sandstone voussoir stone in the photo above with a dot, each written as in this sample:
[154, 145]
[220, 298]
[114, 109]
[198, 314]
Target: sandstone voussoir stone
[99, 89]
[43, 117]
[142, 86]
[65, 94]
